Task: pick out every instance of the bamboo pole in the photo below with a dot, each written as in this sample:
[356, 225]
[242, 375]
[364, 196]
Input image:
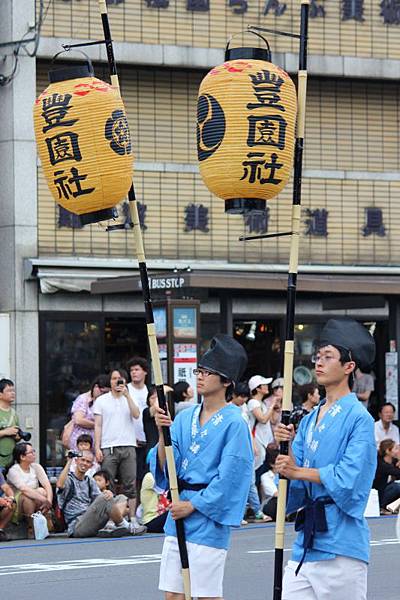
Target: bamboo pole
[151, 330]
[291, 294]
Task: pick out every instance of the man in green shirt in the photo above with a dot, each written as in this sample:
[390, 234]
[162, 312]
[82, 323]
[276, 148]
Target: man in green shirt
[8, 422]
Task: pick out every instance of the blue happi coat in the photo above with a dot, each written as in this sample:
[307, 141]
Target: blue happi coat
[342, 448]
[218, 454]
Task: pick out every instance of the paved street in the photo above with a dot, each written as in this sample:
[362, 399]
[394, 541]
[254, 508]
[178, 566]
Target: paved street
[128, 568]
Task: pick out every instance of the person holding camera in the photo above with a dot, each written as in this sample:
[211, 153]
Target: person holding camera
[86, 510]
[84, 442]
[9, 425]
[32, 487]
[114, 436]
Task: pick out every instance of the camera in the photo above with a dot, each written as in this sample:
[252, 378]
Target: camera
[120, 382]
[72, 454]
[24, 435]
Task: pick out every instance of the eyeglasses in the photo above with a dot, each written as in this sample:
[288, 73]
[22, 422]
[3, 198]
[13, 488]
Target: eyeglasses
[30, 452]
[324, 358]
[203, 372]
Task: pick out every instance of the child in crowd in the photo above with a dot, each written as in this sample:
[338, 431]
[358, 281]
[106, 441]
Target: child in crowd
[103, 480]
[154, 504]
[85, 442]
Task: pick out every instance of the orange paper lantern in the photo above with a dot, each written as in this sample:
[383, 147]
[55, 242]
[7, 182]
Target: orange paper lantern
[246, 116]
[84, 142]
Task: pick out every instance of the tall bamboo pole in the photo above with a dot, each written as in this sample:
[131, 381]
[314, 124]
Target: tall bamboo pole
[291, 294]
[151, 330]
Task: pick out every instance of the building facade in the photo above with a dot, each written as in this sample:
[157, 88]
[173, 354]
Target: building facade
[66, 321]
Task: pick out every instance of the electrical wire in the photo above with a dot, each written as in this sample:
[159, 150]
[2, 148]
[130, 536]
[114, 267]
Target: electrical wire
[23, 43]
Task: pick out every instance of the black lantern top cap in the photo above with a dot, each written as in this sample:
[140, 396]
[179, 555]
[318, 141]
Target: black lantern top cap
[72, 71]
[248, 52]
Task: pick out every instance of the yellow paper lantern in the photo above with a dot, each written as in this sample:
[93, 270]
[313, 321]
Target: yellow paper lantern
[246, 116]
[84, 142]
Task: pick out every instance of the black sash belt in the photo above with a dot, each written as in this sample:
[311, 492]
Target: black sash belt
[311, 519]
[195, 487]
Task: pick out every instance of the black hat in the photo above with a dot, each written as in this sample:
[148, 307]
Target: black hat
[225, 357]
[352, 336]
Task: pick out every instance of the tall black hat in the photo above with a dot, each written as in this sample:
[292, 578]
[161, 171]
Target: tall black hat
[225, 356]
[352, 336]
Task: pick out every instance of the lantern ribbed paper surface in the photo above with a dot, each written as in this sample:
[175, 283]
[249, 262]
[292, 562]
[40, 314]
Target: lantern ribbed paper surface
[84, 143]
[246, 116]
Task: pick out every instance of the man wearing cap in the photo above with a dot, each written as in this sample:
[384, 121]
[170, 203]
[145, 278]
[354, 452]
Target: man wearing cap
[331, 467]
[214, 457]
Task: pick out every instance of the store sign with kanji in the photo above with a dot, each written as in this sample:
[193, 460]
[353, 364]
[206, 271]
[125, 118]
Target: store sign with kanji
[354, 10]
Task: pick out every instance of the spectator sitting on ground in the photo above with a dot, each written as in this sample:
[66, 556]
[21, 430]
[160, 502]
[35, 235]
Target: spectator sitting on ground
[103, 480]
[82, 410]
[183, 396]
[384, 428]
[9, 424]
[85, 442]
[154, 503]
[87, 510]
[309, 397]
[33, 491]
[386, 471]
[7, 504]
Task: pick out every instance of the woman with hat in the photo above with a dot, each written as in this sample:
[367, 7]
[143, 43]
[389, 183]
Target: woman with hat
[214, 458]
[331, 466]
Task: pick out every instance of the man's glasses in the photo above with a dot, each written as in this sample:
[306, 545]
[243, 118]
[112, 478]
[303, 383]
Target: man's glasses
[203, 372]
[324, 358]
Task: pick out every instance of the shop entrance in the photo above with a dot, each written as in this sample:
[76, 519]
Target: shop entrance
[74, 349]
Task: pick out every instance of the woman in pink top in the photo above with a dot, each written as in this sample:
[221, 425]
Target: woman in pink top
[82, 410]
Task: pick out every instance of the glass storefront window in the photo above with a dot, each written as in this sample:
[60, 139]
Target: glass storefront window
[73, 351]
[71, 358]
[123, 338]
[262, 342]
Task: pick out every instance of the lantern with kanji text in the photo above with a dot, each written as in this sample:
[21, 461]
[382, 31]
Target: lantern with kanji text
[84, 142]
[246, 116]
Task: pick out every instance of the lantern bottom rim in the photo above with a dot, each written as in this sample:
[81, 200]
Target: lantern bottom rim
[240, 206]
[98, 215]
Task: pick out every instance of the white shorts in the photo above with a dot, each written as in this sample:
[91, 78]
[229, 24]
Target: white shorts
[340, 578]
[206, 567]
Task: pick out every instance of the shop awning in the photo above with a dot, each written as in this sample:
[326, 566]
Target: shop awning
[247, 281]
[119, 276]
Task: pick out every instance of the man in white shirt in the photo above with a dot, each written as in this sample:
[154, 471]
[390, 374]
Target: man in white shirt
[114, 435]
[384, 428]
[138, 370]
